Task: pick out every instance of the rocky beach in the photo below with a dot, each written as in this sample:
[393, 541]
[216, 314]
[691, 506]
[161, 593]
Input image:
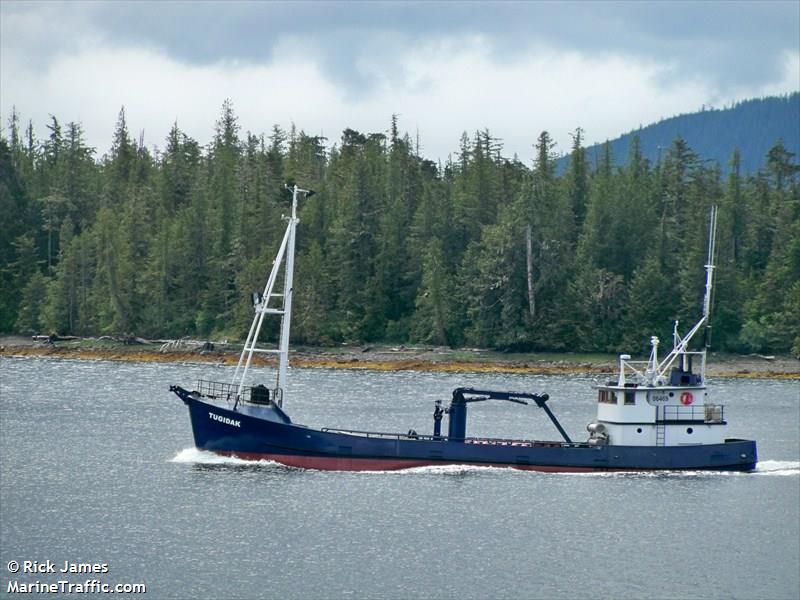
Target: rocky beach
[376, 358]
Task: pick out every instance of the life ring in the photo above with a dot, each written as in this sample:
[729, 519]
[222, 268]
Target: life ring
[687, 398]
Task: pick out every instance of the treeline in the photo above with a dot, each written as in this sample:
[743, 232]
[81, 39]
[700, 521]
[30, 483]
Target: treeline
[481, 251]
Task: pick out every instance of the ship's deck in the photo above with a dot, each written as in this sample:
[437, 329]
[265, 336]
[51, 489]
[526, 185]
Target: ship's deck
[412, 435]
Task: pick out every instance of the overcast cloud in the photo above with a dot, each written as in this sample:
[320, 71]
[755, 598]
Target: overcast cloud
[514, 68]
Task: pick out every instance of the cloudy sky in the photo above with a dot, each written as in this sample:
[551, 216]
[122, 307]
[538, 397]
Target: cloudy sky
[515, 68]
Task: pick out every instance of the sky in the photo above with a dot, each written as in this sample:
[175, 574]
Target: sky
[514, 68]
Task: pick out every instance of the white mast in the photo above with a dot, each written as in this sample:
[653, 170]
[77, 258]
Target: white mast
[655, 371]
[262, 308]
[681, 344]
[712, 242]
[286, 319]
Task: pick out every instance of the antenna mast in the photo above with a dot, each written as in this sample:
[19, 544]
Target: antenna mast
[262, 308]
[288, 288]
[712, 242]
[681, 344]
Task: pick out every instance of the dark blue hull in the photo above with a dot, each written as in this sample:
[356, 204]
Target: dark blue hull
[255, 432]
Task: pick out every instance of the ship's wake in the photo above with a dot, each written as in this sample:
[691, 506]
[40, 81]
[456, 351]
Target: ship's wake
[780, 468]
[446, 470]
[195, 456]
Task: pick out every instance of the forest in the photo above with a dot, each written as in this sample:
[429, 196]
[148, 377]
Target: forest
[753, 126]
[480, 251]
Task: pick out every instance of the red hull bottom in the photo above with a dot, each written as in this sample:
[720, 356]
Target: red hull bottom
[326, 463]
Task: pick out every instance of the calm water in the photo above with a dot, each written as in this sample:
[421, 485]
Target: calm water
[98, 466]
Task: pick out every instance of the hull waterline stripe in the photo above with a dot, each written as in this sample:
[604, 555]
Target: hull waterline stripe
[333, 463]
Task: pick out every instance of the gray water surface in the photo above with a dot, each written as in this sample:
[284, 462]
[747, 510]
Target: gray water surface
[98, 465]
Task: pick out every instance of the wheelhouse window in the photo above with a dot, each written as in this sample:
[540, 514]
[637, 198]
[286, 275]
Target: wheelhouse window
[606, 397]
[630, 397]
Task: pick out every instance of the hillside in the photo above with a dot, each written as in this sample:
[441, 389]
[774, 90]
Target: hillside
[752, 126]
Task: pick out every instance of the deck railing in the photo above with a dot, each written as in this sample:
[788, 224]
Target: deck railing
[217, 390]
[708, 413]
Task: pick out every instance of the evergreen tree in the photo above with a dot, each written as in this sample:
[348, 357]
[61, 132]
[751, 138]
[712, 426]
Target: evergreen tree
[110, 289]
[120, 165]
[33, 295]
[220, 296]
[773, 322]
[78, 179]
[179, 165]
[17, 221]
[59, 312]
[476, 187]
[729, 291]
[494, 278]
[650, 311]
[354, 227]
[314, 298]
[546, 209]
[435, 321]
[577, 178]
[393, 287]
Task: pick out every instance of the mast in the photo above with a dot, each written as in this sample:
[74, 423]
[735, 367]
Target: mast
[712, 242]
[262, 308]
[286, 318]
[682, 344]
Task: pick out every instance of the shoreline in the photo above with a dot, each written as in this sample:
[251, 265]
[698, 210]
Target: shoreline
[384, 358]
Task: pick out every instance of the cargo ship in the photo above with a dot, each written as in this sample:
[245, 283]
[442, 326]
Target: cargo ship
[652, 415]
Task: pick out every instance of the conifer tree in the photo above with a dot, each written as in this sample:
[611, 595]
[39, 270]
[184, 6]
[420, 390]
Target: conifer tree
[772, 320]
[435, 321]
[577, 179]
[16, 223]
[31, 302]
[546, 209]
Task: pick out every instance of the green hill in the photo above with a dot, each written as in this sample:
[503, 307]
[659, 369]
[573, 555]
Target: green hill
[752, 126]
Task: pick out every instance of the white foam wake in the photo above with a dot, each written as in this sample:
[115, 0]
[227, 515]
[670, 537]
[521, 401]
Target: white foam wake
[444, 470]
[778, 467]
[765, 467]
[204, 457]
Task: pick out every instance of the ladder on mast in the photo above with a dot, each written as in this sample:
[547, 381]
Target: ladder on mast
[285, 258]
